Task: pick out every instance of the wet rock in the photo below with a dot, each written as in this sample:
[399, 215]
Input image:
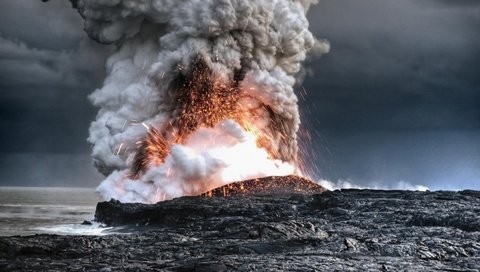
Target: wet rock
[348, 230]
[351, 244]
[87, 223]
[204, 267]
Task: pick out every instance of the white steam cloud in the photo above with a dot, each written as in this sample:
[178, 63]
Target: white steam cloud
[157, 41]
[401, 185]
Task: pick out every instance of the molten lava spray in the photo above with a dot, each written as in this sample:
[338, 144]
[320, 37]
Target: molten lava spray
[199, 93]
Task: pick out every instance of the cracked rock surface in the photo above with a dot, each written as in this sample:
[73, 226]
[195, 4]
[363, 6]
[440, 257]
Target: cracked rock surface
[348, 230]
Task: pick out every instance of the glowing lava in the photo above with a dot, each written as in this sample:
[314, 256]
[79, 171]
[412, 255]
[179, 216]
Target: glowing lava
[268, 185]
[220, 135]
[205, 100]
[214, 84]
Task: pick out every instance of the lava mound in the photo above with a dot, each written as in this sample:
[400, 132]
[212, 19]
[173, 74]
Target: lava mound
[267, 185]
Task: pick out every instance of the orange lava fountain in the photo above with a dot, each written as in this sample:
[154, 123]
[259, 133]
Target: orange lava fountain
[205, 100]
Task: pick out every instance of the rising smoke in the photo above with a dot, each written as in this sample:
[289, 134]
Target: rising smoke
[199, 93]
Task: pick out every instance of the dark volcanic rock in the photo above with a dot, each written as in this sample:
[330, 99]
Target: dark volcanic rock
[268, 185]
[348, 230]
[195, 208]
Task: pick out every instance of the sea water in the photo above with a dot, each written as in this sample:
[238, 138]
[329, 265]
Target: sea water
[32, 210]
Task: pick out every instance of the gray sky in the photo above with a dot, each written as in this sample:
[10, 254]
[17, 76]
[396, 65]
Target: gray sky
[396, 99]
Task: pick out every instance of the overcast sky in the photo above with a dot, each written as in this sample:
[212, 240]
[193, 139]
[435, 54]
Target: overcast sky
[396, 100]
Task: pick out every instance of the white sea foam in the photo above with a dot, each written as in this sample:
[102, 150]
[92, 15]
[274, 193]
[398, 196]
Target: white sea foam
[94, 229]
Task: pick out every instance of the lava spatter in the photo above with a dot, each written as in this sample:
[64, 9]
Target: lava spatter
[198, 94]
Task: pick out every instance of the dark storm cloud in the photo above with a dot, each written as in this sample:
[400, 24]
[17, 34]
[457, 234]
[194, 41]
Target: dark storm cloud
[43, 45]
[24, 66]
[48, 66]
[398, 97]
[453, 4]
[419, 66]
[52, 26]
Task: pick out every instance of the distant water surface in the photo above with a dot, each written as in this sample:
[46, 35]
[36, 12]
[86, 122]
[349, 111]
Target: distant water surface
[30, 210]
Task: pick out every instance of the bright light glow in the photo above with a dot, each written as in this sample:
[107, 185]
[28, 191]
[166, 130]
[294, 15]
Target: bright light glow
[209, 158]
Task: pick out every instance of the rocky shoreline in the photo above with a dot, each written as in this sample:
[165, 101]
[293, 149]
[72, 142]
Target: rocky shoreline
[348, 230]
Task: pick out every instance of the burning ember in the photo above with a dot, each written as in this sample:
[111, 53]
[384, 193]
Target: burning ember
[268, 185]
[205, 101]
[198, 94]
[217, 137]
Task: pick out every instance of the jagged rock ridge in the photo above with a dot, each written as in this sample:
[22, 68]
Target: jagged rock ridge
[268, 185]
[348, 230]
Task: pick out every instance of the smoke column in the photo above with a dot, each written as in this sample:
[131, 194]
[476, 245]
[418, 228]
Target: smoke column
[198, 94]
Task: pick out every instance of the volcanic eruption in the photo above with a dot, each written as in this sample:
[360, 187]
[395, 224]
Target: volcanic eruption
[198, 94]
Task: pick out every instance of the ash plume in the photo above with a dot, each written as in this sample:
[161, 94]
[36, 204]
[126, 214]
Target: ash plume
[192, 87]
